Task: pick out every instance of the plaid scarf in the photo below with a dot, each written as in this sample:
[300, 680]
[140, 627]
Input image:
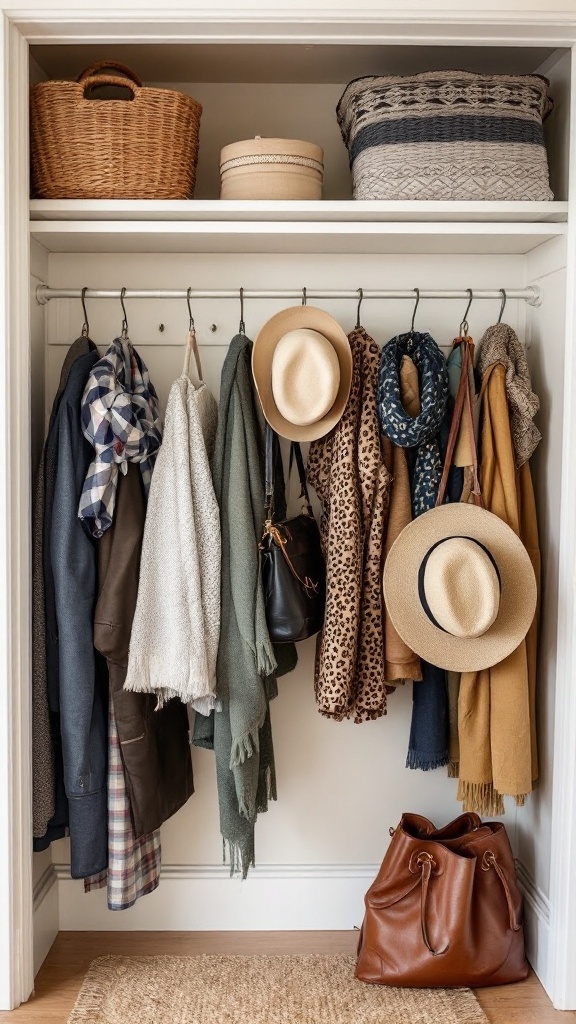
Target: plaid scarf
[121, 419]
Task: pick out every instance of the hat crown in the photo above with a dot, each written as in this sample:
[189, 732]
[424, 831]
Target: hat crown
[305, 376]
[461, 587]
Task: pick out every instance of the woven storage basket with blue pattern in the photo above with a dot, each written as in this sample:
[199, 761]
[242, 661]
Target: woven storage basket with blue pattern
[447, 135]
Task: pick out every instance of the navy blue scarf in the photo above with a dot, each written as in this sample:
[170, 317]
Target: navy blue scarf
[428, 744]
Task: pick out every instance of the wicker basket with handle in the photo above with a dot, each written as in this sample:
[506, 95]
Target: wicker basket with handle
[145, 147]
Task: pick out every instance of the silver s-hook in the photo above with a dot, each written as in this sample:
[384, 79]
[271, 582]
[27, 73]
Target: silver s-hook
[191, 321]
[502, 304]
[360, 298]
[242, 326]
[417, 290]
[125, 319]
[464, 322]
[85, 325]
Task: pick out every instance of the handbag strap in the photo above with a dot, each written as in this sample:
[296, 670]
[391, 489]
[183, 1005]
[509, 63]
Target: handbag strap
[462, 406]
[425, 862]
[269, 474]
[489, 861]
[192, 348]
[295, 456]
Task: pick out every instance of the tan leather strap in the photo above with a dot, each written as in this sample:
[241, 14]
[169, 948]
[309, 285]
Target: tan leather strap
[489, 861]
[462, 406]
[192, 346]
[425, 862]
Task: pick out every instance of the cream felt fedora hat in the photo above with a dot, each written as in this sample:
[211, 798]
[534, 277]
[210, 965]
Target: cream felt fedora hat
[302, 368]
[460, 588]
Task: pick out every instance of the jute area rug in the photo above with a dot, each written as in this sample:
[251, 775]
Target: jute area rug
[256, 990]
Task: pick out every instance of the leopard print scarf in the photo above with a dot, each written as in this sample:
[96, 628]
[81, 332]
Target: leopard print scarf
[347, 470]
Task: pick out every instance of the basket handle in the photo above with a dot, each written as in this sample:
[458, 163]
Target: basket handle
[101, 64]
[99, 80]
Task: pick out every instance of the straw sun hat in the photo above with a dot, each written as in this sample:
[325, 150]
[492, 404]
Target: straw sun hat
[460, 588]
[302, 368]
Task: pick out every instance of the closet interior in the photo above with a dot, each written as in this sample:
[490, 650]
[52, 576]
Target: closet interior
[340, 785]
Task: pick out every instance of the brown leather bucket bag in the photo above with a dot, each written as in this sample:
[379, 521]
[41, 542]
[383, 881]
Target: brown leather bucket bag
[445, 909]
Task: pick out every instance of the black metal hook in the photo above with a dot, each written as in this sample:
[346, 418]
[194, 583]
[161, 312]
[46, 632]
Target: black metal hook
[360, 298]
[191, 323]
[502, 304]
[125, 319]
[242, 327]
[85, 325]
[464, 322]
[417, 290]
[304, 297]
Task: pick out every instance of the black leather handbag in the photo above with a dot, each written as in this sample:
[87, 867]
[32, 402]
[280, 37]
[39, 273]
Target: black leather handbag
[293, 569]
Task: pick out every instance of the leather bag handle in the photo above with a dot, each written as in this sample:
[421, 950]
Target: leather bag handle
[425, 862]
[489, 860]
[295, 455]
[269, 474]
[462, 406]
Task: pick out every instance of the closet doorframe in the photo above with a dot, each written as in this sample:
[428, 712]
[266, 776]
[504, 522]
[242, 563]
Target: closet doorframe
[562, 941]
[34, 21]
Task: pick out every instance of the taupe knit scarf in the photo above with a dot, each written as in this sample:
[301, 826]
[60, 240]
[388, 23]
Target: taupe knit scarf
[500, 344]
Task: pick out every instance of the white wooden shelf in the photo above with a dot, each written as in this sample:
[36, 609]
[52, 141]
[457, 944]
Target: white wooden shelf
[308, 227]
[325, 211]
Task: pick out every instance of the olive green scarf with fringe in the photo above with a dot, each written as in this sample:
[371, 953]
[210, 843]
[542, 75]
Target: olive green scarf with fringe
[240, 732]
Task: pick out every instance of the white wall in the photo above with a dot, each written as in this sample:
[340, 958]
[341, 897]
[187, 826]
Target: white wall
[340, 785]
[546, 353]
[285, 111]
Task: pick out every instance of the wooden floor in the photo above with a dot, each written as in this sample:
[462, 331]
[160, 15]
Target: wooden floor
[60, 977]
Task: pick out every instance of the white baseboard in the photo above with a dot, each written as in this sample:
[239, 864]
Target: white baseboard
[275, 897]
[536, 923]
[45, 902]
[298, 897]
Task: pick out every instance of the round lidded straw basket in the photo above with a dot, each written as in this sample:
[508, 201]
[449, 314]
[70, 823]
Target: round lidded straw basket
[145, 147]
[271, 169]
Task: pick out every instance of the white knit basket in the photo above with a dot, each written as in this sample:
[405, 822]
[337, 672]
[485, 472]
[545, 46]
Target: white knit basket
[447, 135]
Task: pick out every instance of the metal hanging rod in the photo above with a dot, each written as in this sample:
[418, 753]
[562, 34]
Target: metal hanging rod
[44, 294]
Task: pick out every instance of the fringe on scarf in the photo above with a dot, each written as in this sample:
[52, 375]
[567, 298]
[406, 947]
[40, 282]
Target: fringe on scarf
[483, 798]
[413, 760]
[480, 797]
[242, 856]
[247, 745]
[265, 658]
[453, 769]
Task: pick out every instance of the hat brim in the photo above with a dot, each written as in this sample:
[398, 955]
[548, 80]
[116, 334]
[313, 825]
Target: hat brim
[517, 598]
[268, 337]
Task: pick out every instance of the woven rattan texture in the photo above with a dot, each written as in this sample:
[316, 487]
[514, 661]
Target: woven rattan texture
[88, 148]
